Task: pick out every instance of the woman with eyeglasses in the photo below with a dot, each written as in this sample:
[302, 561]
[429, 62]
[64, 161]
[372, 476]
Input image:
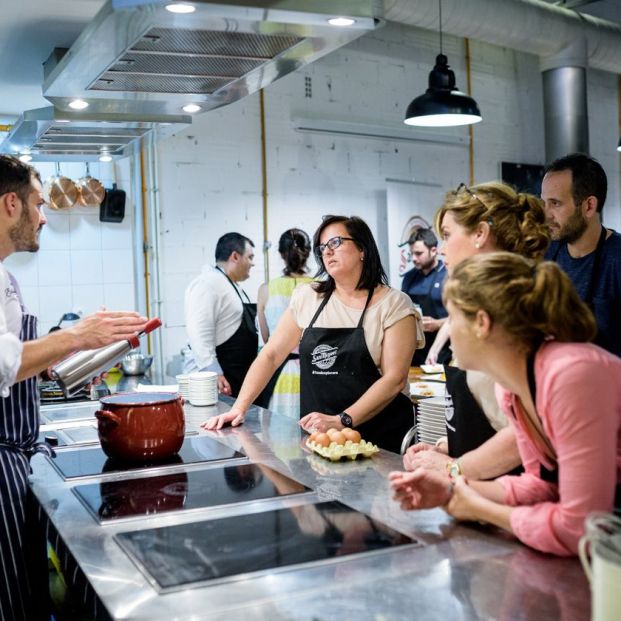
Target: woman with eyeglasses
[523, 324]
[478, 220]
[356, 338]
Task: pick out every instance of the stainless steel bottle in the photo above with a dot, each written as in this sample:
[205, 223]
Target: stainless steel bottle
[78, 370]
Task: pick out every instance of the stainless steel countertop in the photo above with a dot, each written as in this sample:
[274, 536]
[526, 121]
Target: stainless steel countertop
[461, 572]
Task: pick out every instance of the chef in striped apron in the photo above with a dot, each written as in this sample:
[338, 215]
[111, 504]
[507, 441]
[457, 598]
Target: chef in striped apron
[23, 564]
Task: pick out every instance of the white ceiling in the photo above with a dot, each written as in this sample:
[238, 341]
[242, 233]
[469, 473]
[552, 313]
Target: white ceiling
[30, 29]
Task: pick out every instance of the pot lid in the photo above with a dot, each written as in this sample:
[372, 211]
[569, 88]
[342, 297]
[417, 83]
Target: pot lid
[139, 398]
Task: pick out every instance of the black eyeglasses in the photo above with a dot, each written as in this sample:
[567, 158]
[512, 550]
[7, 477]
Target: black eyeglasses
[333, 243]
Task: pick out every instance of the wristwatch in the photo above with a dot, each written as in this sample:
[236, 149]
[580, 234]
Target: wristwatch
[346, 420]
[453, 469]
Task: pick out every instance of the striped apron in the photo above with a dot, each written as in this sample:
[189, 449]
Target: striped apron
[22, 549]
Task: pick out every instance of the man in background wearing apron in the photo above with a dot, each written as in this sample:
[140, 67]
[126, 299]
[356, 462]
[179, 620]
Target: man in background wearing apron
[219, 317]
[23, 561]
[424, 284]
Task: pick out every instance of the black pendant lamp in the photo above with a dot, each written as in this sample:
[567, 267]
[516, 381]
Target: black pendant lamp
[442, 105]
[619, 145]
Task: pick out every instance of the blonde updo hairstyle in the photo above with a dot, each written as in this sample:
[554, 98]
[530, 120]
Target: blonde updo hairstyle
[517, 220]
[531, 301]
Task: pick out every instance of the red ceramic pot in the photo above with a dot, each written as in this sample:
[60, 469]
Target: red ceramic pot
[141, 426]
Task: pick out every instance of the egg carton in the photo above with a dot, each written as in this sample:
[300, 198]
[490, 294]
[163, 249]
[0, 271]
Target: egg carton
[349, 450]
[326, 468]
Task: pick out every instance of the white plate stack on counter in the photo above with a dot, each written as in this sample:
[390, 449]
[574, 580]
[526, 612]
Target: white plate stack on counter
[431, 417]
[183, 381]
[203, 388]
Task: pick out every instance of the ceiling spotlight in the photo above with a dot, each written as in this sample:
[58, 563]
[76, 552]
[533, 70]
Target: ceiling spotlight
[442, 105]
[191, 108]
[78, 104]
[105, 157]
[63, 121]
[341, 21]
[25, 157]
[180, 7]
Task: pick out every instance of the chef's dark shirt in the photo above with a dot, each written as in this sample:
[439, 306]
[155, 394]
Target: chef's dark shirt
[416, 283]
[606, 302]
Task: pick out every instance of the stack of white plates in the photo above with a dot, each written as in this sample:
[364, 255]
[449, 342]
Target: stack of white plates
[203, 388]
[183, 381]
[431, 418]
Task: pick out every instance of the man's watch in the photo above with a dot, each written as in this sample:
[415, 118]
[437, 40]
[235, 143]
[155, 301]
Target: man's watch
[453, 469]
[346, 420]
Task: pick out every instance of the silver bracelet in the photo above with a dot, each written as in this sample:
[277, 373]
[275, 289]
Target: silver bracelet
[451, 489]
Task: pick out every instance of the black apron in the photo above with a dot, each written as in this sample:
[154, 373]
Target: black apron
[428, 308]
[467, 427]
[336, 369]
[23, 557]
[238, 352]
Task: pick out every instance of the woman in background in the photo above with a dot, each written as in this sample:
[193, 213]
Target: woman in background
[283, 390]
[524, 325]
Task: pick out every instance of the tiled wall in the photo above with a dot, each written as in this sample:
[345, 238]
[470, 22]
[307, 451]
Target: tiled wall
[82, 263]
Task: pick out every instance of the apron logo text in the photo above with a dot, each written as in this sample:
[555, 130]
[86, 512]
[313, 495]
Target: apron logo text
[324, 356]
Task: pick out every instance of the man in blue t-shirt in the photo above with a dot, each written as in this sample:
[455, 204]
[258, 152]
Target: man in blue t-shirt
[574, 191]
[424, 284]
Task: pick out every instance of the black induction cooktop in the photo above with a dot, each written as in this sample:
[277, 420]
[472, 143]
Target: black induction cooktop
[206, 552]
[72, 412]
[92, 461]
[70, 435]
[182, 491]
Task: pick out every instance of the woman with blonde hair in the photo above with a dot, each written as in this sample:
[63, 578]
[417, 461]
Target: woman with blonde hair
[523, 324]
[485, 218]
[491, 216]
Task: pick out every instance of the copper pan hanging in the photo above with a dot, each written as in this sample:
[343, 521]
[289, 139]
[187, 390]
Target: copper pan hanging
[91, 190]
[60, 192]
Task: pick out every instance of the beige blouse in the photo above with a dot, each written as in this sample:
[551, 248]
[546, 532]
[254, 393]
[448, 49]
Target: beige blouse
[482, 389]
[385, 312]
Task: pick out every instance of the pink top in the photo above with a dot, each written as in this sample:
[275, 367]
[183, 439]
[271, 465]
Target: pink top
[579, 402]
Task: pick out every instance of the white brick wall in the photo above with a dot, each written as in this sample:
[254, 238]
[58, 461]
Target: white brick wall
[210, 174]
[210, 179]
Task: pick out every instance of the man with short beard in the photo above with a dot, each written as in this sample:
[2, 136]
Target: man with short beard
[424, 284]
[23, 562]
[574, 191]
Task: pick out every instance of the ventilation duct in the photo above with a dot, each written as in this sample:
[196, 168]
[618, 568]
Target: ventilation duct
[530, 26]
[51, 135]
[137, 57]
[566, 41]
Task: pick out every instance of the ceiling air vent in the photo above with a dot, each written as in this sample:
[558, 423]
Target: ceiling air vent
[48, 134]
[136, 57]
